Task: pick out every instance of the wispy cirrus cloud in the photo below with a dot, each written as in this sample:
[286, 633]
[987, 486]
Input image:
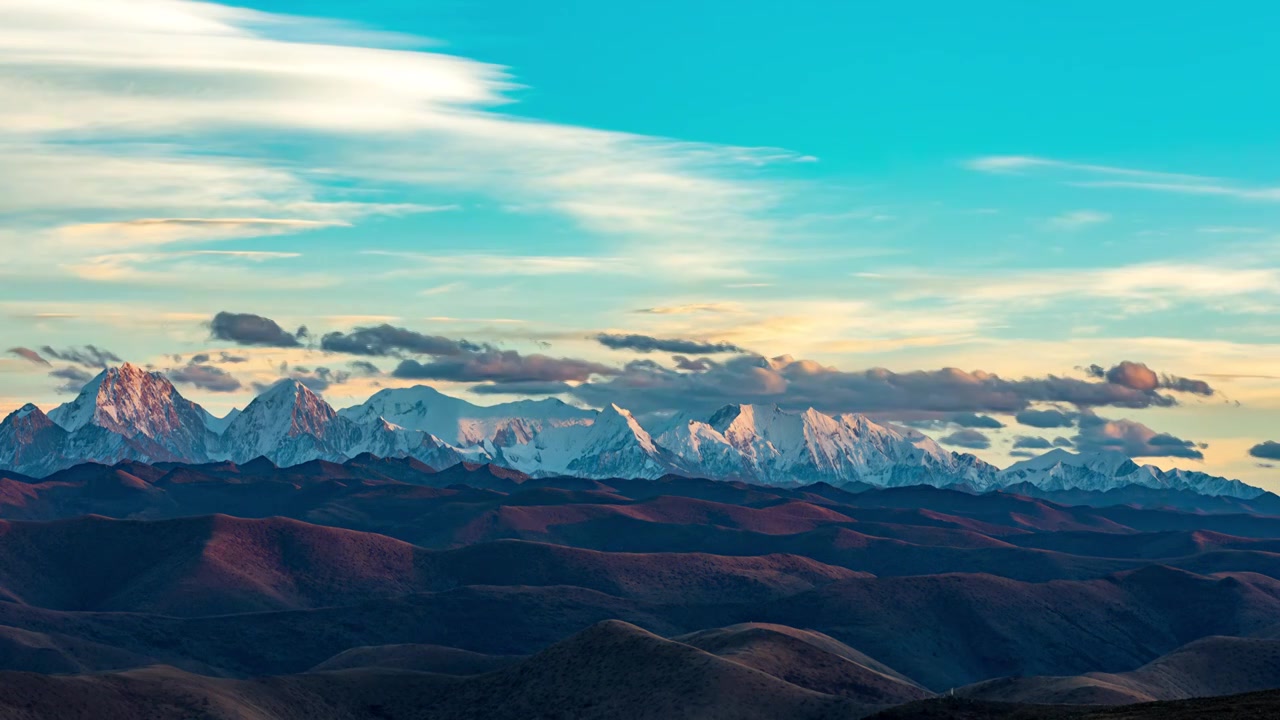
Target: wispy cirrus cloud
[1027, 163]
[168, 89]
[1091, 175]
[1147, 286]
[1077, 219]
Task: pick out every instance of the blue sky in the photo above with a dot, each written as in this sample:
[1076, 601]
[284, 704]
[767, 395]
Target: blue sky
[1022, 189]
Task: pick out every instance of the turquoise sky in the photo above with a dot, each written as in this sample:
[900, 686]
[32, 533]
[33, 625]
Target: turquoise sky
[1019, 188]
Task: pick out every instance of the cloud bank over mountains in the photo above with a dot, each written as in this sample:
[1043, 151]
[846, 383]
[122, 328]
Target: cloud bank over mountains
[961, 400]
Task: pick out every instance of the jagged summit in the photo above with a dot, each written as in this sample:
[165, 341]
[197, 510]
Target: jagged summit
[128, 412]
[1061, 469]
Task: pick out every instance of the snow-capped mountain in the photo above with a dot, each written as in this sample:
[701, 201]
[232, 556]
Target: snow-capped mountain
[31, 442]
[127, 413]
[288, 424]
[765, 444]
[614, 445]
[1062, 470]
[461, 423]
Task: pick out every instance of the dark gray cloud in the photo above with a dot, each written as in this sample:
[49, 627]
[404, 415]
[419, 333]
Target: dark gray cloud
[88, 356]
[1138, 376]
[320, 379]
[693, 364]
[29, 355]
[967, 438]
[648, 343]
[385, 340]
[199, 359]
[364, 368]
[1131, 438]
[1046, 418]
[1031, 442]
[1269, 450]
[317, 380]
[799, 384]
[523, 388]
[1063, 442]
[250, 329]
[205, 377]
[973, 420]
[73, 378]
[228, 358]
[501, 366]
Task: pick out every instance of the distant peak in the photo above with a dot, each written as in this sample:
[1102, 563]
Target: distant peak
[287, 387]
[26, 411]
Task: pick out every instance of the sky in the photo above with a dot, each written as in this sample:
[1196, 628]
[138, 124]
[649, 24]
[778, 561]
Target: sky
[1010, 224]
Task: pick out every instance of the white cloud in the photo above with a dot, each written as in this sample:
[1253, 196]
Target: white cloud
[1022, 163]
[1110, 176]
[1156, 284]
[1079, 219]
[136, 106]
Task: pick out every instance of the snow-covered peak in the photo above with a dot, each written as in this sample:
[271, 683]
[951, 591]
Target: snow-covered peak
[1105, 470]
[286, 408]
[425, 409]
[764, 443]
[130, 401]
[1108, 461]
[616, 421]
[25, 411]
[288, 423]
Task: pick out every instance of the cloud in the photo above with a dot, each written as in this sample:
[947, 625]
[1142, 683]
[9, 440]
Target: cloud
[1269, 450]
[385, 340]
[1021, 163]
[472, 264]
[318, 380]
[160, 231]
[1138, 376]
[501, 366]
[800, 384]
[1131, 438]
[159, 132]
[89, 356]
[693, 364]
[973, 420]
[689, 309]
[1031, 442]
[1109, 176]
[1063, 442]
[29, 355]
[1045, 418]
[647, 343]
[205, 377]
[364, 368]
[250, 329]
[973, 439]
[74, 377]
[523, 388]
[1078, 219]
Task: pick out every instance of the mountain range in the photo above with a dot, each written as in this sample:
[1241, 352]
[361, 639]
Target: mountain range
[128, 413]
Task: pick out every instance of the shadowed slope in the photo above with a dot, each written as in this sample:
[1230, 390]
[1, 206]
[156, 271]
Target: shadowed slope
[420, 658]
[1206, 667]
[611, 671]
[808, 659]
